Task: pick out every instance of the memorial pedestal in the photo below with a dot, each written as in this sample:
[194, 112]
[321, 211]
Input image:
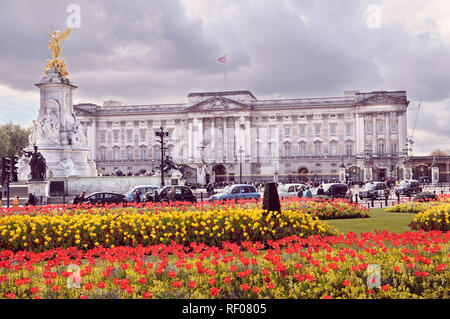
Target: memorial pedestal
[39, 189]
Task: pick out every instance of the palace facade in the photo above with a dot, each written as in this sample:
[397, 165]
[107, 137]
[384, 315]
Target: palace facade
[225, 135]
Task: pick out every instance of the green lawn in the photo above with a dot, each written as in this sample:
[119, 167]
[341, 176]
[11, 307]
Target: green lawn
[378, 220]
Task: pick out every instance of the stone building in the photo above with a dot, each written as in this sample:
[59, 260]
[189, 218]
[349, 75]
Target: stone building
[218, 136]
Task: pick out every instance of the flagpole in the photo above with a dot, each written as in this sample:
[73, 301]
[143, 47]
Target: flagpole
[225, 71]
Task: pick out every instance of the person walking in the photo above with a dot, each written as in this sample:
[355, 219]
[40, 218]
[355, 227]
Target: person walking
[308, 193]
[300, 192]
[320, 190]
[171, 194]
[82, 198]
[137, 196]
[76, 200]
[155, 196]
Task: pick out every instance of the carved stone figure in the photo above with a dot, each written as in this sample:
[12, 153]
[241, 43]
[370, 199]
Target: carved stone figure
[23, 169]
[49, 127]
[169, 164]
[67, 163]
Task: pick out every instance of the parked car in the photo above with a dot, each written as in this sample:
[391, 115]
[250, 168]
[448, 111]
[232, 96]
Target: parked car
[289, 190]
[182, 193]
[374, 190]
[142, 189]
[105, 198]
[236, 192]
[408, 188]
[335, 190]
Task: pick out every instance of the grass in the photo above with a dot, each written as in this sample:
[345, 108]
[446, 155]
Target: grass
[378, 220]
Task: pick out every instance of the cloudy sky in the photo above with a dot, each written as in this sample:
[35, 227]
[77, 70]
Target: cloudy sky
[154, 51]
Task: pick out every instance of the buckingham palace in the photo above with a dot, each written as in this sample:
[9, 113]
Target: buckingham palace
[220, 136]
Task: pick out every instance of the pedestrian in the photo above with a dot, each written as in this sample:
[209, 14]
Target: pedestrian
[32, 200]
[155, 196]
[137, 196]
[350, 194]
[76, 200]
[320, 190]
[82, 198]
[147, 197]
[171, 194]
[300, 192]
[308, 193]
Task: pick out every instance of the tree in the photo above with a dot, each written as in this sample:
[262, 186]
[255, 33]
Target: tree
[439, 152]
[13, 138]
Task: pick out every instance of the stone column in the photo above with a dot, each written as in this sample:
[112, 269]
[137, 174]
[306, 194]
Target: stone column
[387, 133]
[401, 128]
[213, 138]
[248, 134]
[93, 139]
[236, 138]
[374, 134]
[198, 140]
[190, 141]
[225, 140]
[360, 133]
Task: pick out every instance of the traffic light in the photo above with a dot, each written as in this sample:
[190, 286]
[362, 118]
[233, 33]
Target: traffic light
[6, 170]
[13, 167]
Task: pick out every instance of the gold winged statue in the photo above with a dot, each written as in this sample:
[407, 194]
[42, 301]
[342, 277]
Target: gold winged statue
[56, 39]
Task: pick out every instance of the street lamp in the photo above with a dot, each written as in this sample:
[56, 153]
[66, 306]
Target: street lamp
[240, 163]
[162, 134]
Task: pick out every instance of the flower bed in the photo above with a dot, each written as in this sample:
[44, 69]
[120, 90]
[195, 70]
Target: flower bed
[131, 227]
[411, 265]
[326, 208]
[418, 206]
[432, 218]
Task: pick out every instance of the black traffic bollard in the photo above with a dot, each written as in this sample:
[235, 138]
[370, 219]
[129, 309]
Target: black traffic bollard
[201, 196]
[398, 198]
[373, 204]
[64, 199]
[41, 199]
[356, 198]
[386, 201]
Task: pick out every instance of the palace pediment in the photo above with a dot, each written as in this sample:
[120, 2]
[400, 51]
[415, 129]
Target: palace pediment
[380, 98]
[218, 103]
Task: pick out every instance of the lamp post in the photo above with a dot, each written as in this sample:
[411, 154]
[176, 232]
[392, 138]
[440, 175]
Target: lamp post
[240, 164]
[162, 134]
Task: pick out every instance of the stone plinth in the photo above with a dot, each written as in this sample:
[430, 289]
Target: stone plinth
[39, 189]
[57, 132]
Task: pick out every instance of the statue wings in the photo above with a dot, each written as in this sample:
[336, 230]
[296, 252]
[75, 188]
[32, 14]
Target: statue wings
[64, 35]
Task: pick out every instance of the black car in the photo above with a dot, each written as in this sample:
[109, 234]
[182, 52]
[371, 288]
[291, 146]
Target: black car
[408, 188]
[105, 198]
[374, 190]
[335, 190]
[182, 194]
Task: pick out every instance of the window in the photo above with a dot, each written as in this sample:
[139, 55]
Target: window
[116, 153]
[257, 132]
[301, 130]
[302, 149]
[368, 128]
[116, 135]
[317, 129]
[348, 128]
[333, 149]
[103, 154]
[143, 134]
[393, 127]
[287, 131]
[129, 153]
[333, 129]
[380, 127]
[317, 149]
[102, 136]
[143, 153]
[129, 135]
[381, 147]
[349, 149]
[272, 132]
[156, 153]
[287, 149]
[394, 148]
